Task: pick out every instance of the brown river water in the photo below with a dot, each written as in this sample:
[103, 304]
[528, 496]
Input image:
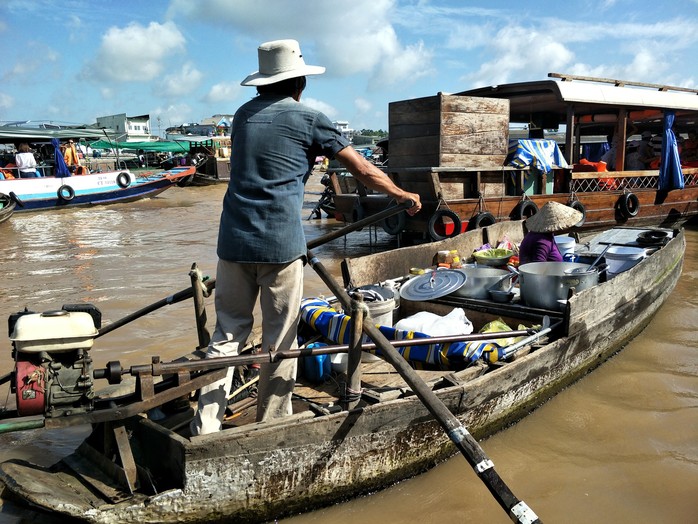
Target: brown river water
[620, 445]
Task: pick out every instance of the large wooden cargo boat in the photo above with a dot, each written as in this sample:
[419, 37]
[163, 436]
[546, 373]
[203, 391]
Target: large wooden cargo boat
[136, 469]
[500, 153]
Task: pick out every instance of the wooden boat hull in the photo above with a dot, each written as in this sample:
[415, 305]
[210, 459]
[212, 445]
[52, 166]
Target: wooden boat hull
[44, 193]
[266, 470]
[7, 207]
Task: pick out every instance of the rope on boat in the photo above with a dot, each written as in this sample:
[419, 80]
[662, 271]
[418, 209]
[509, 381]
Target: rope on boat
[200, 279]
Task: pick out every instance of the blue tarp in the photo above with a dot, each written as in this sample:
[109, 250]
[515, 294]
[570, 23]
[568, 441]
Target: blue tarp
[61, 168]
[594, 152]
[337, 327]
[670, 175]
[541, 154]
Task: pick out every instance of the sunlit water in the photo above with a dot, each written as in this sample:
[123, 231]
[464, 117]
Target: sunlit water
[621, 445]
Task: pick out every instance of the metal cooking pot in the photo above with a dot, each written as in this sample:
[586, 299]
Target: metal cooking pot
[479, 280]
[545, 284]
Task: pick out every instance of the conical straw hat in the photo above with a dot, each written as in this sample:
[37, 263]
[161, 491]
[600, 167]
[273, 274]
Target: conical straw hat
[553, 217]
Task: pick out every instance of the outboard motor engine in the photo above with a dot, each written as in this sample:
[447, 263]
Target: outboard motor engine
[53, 368]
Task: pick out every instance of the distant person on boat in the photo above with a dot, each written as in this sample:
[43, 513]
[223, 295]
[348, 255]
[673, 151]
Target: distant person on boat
[538, 245]
[644, 149]
[70, 155]
[609, 157]
[26, 162]
[261, 243]
[633, 161]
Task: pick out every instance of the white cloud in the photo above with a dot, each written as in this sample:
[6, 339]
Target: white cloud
[181, 83]
[348, 37]
[362, 105]
[135, 53]
[319, 105]
[6, 101]
[170, 115]
[521, 52]
[223, 92]
[34, 60]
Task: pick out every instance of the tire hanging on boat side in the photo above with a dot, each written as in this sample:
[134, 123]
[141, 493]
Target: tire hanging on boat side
[628, 205]
[578, 206]
[65, 193]
[524, 209]
[123, 180]
[480, 220]
[395, 224]
[17, 200]
[438, 217]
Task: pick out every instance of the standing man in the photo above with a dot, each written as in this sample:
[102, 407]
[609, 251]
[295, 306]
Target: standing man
[261, 244]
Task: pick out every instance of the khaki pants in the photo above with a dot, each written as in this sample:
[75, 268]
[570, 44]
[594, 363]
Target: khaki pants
[279, 287]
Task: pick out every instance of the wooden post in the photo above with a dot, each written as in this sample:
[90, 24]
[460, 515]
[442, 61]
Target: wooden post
[199, 307]
[352, 389]
[621, 129]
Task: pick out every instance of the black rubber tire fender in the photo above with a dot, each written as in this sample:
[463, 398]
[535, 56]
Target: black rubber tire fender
[480, 220]
[629, 205]
[65, 193]
[438, 215]
[395, 224]
[123, 180]
[577, 205]
[16, 199]
[524, 209]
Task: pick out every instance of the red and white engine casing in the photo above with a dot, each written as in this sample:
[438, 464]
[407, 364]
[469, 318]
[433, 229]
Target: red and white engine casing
[53, 369]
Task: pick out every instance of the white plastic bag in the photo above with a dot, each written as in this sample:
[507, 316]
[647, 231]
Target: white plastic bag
[455, 323]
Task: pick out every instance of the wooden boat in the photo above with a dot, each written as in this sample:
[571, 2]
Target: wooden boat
[7, 207]
[98, 181]
[92, 189]
[135, 469]
[469, 157]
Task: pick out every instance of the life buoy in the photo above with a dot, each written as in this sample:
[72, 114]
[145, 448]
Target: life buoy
[395, 224]
[483, 219]
[17, 200]
[628, 205]
[438, 217]
[579, 207]
[66, 193]
[123, 180]
[524, 209]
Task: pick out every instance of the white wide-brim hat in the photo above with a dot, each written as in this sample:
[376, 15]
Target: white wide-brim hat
[280, 60]
[553, 217]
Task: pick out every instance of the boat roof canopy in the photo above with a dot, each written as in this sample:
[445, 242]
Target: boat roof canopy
[12, 134]
[161, 146]
[547, 102]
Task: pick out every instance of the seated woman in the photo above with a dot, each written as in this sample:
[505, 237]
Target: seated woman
[538, 245]
[26, 163]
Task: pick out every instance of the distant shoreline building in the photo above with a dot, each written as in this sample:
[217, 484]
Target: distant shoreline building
[343, 127]
[128, 128]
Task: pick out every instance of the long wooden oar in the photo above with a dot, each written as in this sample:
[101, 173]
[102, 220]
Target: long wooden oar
[517, 509]
[172, 299]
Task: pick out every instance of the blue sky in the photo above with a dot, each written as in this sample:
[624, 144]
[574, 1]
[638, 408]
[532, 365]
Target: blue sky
[183, 60]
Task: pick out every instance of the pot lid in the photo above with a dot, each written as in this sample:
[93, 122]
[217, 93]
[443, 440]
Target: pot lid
[433, 284]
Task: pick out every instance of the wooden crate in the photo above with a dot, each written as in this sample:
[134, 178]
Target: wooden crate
[448, 130]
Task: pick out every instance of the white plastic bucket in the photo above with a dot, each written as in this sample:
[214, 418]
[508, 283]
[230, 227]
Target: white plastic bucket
[565, 244]
[620, 258]
[382, 314]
